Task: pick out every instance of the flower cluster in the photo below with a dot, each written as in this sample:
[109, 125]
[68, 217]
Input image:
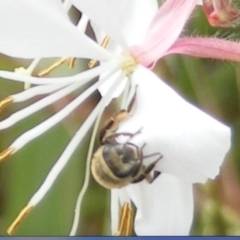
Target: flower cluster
[131, 37]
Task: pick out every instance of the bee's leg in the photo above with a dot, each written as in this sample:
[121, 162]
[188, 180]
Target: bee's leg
[107, 134]
[112, 138]
[146, 176]
[148, 169]
[155, 175]
[139, 178]
[111, 126]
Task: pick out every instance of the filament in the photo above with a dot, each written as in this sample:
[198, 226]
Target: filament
[88, 74]
[44, 126]
[16, 117]
[52, 67]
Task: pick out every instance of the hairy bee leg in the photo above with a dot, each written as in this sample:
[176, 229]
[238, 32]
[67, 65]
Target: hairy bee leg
[153, 154]
[155, 175]
[148, 169]
[139, 178]
[111, 138]
[131, 135]
[111, 125]
[107, 133]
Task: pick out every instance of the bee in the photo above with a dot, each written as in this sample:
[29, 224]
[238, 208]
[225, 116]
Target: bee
[115, 165]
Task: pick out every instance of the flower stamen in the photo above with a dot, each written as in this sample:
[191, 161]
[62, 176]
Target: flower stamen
[126, 221]
[6, 153]
[5, 102]
[19, 219]
[92, 63]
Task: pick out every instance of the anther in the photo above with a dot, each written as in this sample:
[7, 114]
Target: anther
[105, 42]
[5, 102]
[5, 154]
[52, 67]
[126, 221]
[92, 63]
[19, 219]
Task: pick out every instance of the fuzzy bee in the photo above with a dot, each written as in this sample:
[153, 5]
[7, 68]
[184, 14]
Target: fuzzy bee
[115, 165]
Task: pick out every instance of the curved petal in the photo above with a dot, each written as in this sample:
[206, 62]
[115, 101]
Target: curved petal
[207, 47]
[135, 18]
[163, 31]
[164, 207]
[31, 29]
[124, 21]
[192, 143]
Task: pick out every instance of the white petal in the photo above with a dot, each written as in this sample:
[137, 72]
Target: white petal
[164, 207]
[31, 29]
[124, 21]
[112, 46]
[192, 143]
[135, 17]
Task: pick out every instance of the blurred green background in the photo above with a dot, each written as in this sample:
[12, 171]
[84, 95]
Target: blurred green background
[212, 85]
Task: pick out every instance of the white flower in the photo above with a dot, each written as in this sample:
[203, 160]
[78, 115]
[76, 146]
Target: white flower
[193, 148]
